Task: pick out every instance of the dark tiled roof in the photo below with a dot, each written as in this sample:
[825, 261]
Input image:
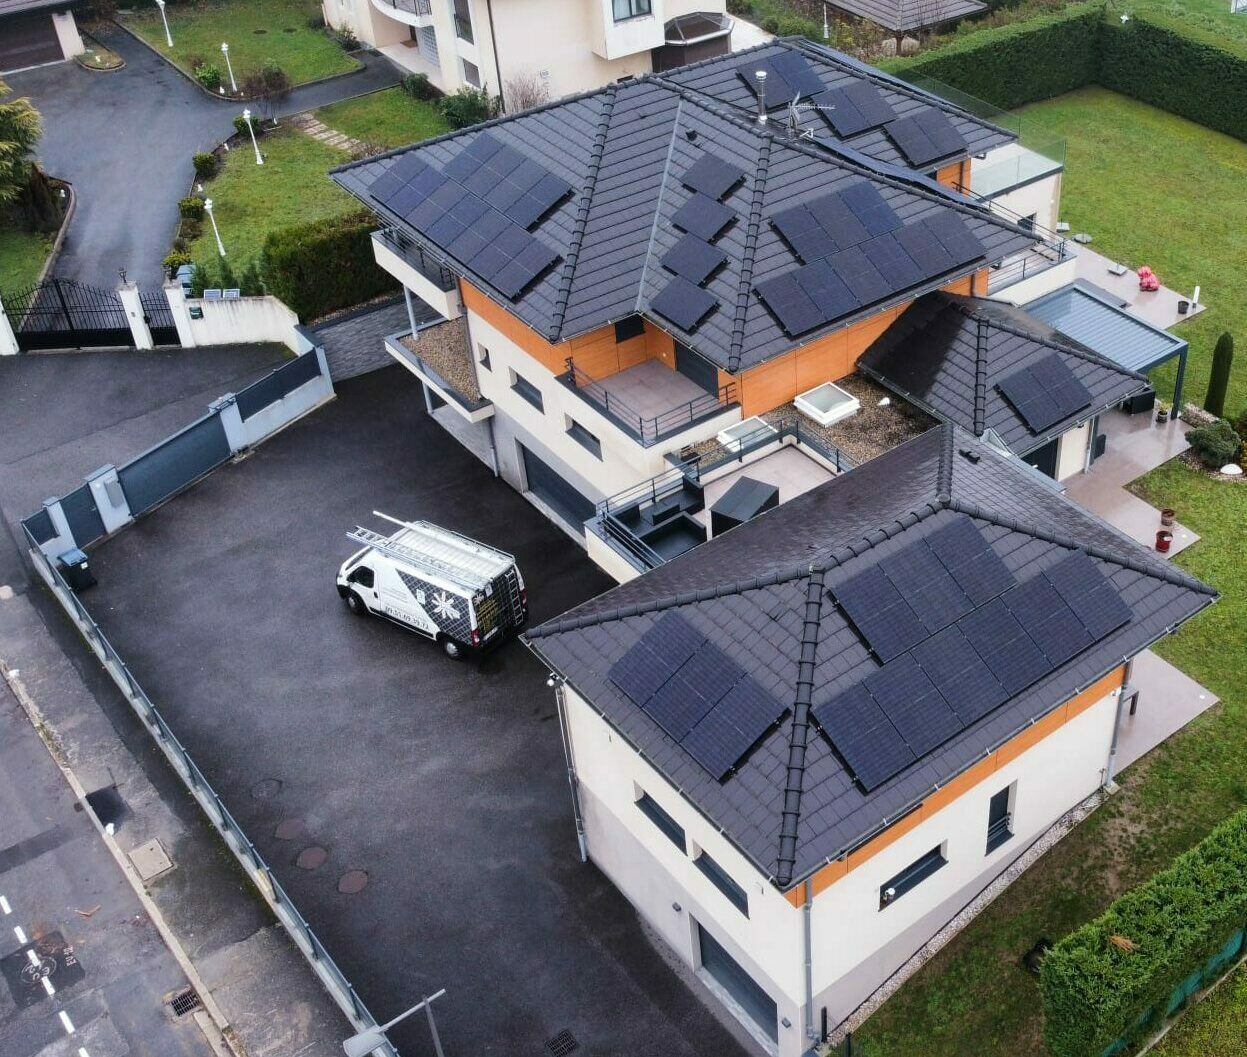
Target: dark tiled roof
[748, 591]
[624, 149]
[902, 15]
[20, 7]
[947, 353]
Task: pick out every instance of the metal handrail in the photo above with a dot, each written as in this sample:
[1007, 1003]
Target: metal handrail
[652, 429]
[418, 257]
[422, 8]
[615, 531]
[652, 490]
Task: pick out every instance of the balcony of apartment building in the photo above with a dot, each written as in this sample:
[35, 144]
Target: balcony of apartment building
[652, 403]
[437, 352]
[745, 470]
[404, 33]
[619, 28]
[419, 271]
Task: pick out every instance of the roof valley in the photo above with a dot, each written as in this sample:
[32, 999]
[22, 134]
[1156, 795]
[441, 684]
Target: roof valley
[747, 258]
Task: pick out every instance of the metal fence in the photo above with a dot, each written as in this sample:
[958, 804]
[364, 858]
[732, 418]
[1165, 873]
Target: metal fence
[253, 863]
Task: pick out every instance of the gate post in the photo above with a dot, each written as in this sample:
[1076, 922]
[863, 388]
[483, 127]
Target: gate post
[175, 294]
[231, 421]
[8, 340]
[64, 538]
[110, 500]
[133, 305]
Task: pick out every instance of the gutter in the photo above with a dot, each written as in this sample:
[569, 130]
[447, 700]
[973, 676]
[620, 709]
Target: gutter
[572, 780]
[807, 911]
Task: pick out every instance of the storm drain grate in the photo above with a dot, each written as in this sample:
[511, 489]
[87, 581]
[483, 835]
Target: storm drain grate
[185, 1002]
[562, 1044]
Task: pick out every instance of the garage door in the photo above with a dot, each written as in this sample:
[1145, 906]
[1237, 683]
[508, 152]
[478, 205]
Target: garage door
[555, 492]
[746, 992]
[28, 40]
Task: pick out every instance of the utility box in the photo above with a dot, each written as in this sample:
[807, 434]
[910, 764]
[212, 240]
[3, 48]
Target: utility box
[76, 569]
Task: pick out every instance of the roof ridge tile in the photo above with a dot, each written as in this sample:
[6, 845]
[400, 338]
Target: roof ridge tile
[747, 258]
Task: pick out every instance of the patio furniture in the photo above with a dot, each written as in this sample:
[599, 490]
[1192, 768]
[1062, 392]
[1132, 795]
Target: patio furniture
[745, 500]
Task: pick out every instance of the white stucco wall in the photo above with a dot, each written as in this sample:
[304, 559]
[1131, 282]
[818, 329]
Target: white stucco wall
[856, 945]
[1071, 457]
[67, 33]
[1041, 197]
[1035, 286]
[239, 321]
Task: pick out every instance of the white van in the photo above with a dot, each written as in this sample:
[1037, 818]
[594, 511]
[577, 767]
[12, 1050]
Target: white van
[460, 593]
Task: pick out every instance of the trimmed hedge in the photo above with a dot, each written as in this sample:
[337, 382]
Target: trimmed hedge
[1117, 977]
[1018, 63]
[325, 265]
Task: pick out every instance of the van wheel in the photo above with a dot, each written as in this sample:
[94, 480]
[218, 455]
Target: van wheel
[356, 605]
[451, 648]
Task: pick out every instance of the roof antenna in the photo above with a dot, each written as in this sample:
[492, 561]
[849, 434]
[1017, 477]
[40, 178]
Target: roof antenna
[760, 77]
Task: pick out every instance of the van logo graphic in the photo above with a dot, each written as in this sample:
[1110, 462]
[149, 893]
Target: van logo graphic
[444, 606]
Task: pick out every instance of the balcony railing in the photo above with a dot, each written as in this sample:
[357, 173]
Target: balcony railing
[419, 258]
[421, 8]
[653, 428]
[1039, 259]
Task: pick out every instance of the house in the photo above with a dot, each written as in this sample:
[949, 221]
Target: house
[1003, 375]
[802, 748]
[37, 32]
[903, 17]
[668, 265]
[524, 49]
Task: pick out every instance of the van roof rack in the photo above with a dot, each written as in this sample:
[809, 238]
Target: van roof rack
[438, 550]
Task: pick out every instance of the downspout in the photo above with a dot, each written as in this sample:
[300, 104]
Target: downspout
[1110, 766]
[572, 780]
[493, 40]
[807, 912]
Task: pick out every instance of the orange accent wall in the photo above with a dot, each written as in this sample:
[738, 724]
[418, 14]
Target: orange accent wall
[963, 783]
[596, 353]
[956, 175]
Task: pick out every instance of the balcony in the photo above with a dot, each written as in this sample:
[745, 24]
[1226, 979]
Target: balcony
[417, 13]
[438, 354]
[626, 27]
[649, 402]
[418, 270]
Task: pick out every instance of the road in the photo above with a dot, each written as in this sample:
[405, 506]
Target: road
[125, 141]
[83, 970]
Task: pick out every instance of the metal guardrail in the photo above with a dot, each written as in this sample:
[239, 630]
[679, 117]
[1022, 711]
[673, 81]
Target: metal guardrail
[418, 257]
[651, 491]
[648, 430]
[322, 964]
[423, 8]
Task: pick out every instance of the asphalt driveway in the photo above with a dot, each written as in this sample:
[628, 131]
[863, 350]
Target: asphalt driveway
[125, 141]
[444, 782]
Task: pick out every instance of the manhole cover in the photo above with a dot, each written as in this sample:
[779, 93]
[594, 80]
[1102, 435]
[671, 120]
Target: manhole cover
[311, 858]
[107, 805]
[562, 1044]
[266, 788]
[352, 881]
[290, 829]
[150, 859]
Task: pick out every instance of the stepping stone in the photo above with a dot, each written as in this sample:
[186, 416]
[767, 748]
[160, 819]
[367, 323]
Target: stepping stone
[311, 858]
[352, 881]
[290, 829]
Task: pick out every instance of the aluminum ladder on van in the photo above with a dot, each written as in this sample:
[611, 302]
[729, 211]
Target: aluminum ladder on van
[402, 552]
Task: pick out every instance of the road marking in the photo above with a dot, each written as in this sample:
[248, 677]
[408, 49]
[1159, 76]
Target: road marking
[4, 905]
[47, 986]
[66, 1023]
[21, 936]
[34, 958]
[82, 1052]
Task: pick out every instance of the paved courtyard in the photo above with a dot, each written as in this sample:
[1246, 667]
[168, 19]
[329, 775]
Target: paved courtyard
[443, 782]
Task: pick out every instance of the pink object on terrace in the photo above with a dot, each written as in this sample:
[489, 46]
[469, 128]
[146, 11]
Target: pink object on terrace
[1148, 279]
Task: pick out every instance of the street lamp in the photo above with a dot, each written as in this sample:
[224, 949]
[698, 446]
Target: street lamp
[366, 1041]
[229, 66]
[220, 246]
[168, 36]
[246, 116]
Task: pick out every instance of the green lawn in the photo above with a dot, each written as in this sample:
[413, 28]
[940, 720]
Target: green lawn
[1217, 1027]
[390, 118]
[291, 187]
[22, 254]
[256, 30]
[1157, 190]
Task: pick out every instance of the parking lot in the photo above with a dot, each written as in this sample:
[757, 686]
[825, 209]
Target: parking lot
[444, 782]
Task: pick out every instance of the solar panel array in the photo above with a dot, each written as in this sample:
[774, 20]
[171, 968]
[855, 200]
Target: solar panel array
[856, 252]
[853, 108]
[925, 136]
[1045, 392]
[787, 76]
[958, 637]
[703, 699]
[693, 259]
[478, 209]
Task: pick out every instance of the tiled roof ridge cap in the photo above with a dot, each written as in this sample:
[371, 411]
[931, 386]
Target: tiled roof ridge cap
[747, 258]
[980, 375]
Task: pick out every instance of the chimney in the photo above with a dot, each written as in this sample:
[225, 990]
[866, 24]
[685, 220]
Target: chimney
[760, 77]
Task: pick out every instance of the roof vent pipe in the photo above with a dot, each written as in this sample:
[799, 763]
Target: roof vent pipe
[760, 76]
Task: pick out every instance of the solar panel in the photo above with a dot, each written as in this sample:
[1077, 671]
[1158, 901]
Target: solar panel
[960, 675]
[732, 727]
[702, 215]
[1006, 649]
[1045, 392]
[472, 157]
[797, 72]
[790, 304]
[949, 229]
[913, 705]
[866, 203]
[397, 176]
[655, 657]
[676, 710]
[538, 200]
[1082, 585]
[884, 619]
[778, 91]
[1047, 619]
[925, 136]
[926, 249]
[854, 108]
[804, 235]
[836, 217]
[964, 552]
[835, 222]
[826, 290]
[930, 589]
[889, 258]
[864, 737]
[859, 275]
[683, 303]
[712, 176]
[693, 258]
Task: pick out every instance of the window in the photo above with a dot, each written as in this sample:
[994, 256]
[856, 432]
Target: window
[720, 879]
[627, 329]
[671, 829]
[626, 9]
[912, 876]
[1027, 223]
[462, 10]
[361, 575]
[528, 391]
[584, 438]
[471, 74]
[999, 818]
[482, 357]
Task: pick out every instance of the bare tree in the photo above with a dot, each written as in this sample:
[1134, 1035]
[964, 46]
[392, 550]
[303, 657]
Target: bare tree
[525, 91]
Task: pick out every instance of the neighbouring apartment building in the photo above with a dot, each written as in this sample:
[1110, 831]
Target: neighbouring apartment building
[563, 46]
[804, 747]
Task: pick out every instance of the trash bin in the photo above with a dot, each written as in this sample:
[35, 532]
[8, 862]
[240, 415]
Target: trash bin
[76, 569]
